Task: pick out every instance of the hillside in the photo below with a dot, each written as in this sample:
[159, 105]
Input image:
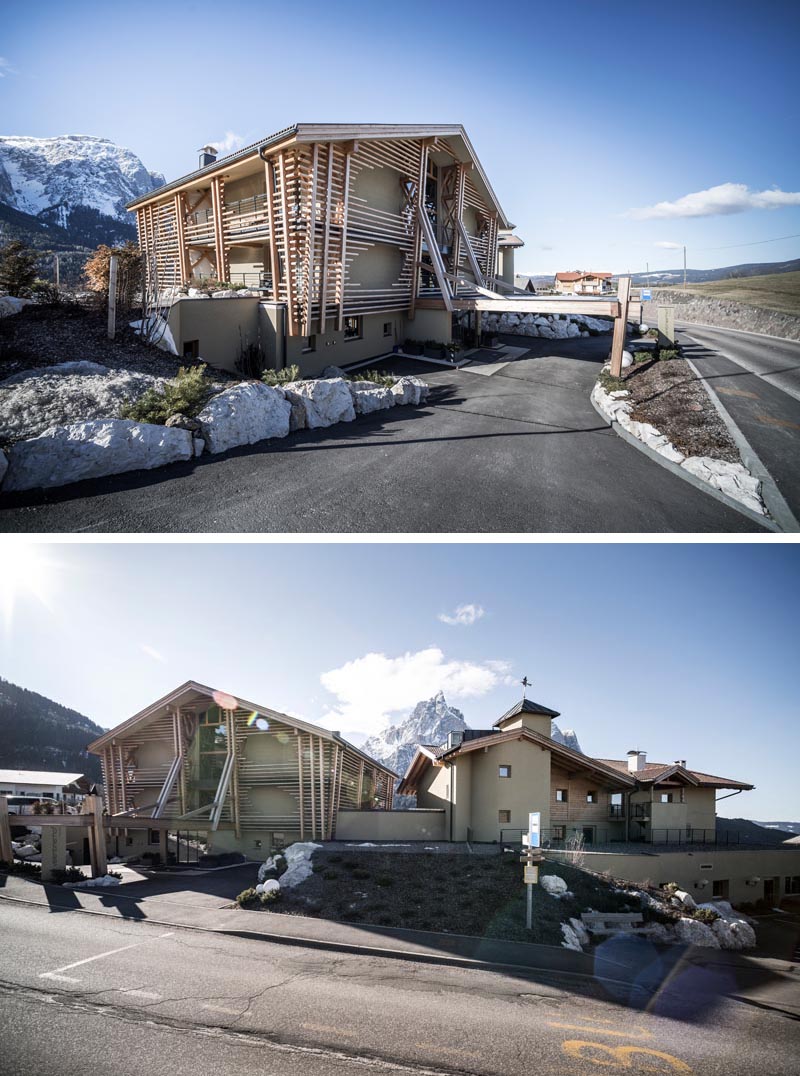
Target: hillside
[749, 832]
[673, 277]
[778, 291]
[39, 734]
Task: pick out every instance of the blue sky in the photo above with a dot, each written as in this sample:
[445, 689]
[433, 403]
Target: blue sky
[685, 651]
[580, 112]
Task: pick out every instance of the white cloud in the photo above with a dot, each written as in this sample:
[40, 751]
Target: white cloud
[6, 68]
[152, 652]
[464, 615]
[228, 144]
[668, 246]
[372, 688]
[722, 200]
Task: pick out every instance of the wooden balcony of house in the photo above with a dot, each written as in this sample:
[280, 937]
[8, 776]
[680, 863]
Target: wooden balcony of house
[640, 812]
[616, 810]
[247, 218]
[199, 228]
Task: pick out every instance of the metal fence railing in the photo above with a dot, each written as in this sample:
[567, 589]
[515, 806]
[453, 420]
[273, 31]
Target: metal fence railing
[600, 838]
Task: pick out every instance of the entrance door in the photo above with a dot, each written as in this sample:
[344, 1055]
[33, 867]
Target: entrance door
[769, 890]
[588, 834]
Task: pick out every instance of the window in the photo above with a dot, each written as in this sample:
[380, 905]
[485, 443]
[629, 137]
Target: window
[310, 344]
[561, 795]
[666, 797]
[154, 836]
[353, 328]
[503, 771]
[387, 328]
[792, 885]
[591, 797]
[719, 888]
[559, 833]
[588, 834]
[504, 816]
[191, 349]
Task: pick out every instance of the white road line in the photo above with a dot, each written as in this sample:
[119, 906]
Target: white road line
[100, 956]
[61, 978]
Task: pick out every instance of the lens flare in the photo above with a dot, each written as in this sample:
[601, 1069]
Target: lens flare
[225, 702]
[256, 721]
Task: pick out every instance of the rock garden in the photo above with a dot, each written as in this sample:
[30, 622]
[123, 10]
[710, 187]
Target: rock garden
[660, 401]
[124, 405]
[480, 895]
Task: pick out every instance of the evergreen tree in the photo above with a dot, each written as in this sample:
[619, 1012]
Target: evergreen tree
[17, 268]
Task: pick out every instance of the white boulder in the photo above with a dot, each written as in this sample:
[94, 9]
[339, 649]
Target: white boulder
[409, 390]
[731, 478]
[244, 414]
[326, 401]
[156, 330]
[693, 932]
[553, 884]
[67, 454]
[271, 885]
[680, 898]
[580, 930]
[10, 304]
[627, 359]
[571, 939]
[369, 397]
[298, 857]
[734, 934]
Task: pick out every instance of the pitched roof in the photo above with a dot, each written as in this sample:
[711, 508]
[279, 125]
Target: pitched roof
[39, 777]
[526, 706]
[334, 132]
[191, 690]
[569, 277]
[661, 771]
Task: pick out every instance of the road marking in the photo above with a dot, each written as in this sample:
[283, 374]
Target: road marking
[640, 1033]
[61, 978]
[100, 956]
[738, 392]
[622, 1055]
[221, 1008]
[778, 422]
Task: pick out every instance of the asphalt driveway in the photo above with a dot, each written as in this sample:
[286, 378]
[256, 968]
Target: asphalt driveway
[522, 450]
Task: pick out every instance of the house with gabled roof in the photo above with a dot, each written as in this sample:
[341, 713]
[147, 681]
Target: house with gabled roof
[488, 780]
[582, 283]
[238, 774]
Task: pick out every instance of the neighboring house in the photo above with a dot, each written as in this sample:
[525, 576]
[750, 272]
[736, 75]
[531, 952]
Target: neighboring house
[242, 774]
[345, 231]
[69, 788]
[489, 780]
[580, 283]
[507, 243]
[525, 283]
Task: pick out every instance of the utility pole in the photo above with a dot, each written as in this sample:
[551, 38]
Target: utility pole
[58, 275]
[684, 267]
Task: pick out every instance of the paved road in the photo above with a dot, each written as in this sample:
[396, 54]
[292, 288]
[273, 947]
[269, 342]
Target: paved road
[757, 379]
[520, 451]
[81, 994]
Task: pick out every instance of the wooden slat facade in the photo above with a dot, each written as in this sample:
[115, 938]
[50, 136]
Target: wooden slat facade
[316, 224]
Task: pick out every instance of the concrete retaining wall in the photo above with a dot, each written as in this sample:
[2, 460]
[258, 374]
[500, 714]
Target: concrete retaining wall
[416, 825]
[724, 313]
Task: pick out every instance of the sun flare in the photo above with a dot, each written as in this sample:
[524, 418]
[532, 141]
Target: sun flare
[25, 571]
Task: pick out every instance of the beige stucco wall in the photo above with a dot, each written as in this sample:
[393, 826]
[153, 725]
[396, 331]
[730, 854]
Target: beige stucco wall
[248, 844]
[429, 325]
[249, 260]
[416, 825]
[538, 723]
[216, 324]
[505, 264]
[331, 349]
[528, 788]
[689, 868]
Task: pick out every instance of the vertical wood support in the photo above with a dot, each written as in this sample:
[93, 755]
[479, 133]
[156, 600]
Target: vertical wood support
[6, 851]
[93, 806]
[300, 782]
[287, 250]
[322, 824]
[217, 196]
[620, 325]
[123, 788]
[346, 200]
[417, 248]
[338, 789]
[360, 782]
[311, 782]
[274, 263]
[312, 236]
[113, 263]
[459, 213]
[54, 850]
[180, 232]
[323, 286]
[234, 776]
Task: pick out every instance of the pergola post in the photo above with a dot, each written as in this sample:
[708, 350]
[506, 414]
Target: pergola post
[6, 851]
[93, 806]
[620, 325]
[54, 851]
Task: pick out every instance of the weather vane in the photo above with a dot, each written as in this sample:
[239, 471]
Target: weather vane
[525, 683]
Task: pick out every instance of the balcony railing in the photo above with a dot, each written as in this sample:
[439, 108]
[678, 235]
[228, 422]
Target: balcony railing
[616, 810]
[557, 838]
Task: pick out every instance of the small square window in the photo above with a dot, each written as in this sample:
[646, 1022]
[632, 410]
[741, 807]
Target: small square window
[309, 344]
[561, 795]
[591, 797]
[353, 328]
[191, 349]
[503, 771]
[559, 832]
[387, 328]
[154, 836]
[504, 816]
[666, 797]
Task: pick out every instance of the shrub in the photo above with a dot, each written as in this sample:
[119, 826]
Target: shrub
[185, 394]
[273, 378]
[45, 292]
[247, 896]
[375, 376]
[270, 896]
[250, 362]
[71, 874]
[17, 268]
[114, 874]
[705, 915]
[350, 864]
[129, 272]
[663, 354]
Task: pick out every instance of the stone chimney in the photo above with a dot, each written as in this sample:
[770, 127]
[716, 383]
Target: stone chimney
[680, 762]
[636, 761]
[208, 155]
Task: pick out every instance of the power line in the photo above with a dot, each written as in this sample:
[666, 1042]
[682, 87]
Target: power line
[757, 243]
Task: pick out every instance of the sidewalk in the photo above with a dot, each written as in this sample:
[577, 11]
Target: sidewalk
[627, 964]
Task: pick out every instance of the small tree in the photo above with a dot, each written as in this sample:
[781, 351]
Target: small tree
[129, 272]
[17, 268]
[576, 849]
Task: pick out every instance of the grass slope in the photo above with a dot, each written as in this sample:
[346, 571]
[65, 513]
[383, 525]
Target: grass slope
[778, 291]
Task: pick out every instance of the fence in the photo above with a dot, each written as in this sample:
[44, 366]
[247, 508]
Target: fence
[597, 837]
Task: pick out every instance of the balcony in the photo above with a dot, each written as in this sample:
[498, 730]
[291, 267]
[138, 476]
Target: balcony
[247, 219]
[616, 810]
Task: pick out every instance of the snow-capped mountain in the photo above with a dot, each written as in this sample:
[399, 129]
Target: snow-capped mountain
[51, 177]
[568, 737]
[429, 722]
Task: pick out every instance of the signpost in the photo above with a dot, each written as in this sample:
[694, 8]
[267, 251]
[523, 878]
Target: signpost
[646, 295]
[531, 859]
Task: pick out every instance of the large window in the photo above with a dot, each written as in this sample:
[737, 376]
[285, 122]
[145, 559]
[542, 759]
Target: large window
[353, 328]
[792, 884]
[209, 751]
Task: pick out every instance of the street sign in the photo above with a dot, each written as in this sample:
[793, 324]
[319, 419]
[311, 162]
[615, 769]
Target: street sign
[646, 295]
[534, 821]
[531, 875]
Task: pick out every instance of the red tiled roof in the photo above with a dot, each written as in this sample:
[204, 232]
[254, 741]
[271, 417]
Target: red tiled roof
[568, 278]
[653, 771]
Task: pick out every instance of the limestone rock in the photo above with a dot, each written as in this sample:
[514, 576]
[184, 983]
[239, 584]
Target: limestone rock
[693, 932]
[10, 304]
[244, 414]
[369, 397]
[66, 454]
[734, 933]
[683, 899]
[326, 401]
[334, 371]
[553, 884]
[409, 390]
[731, 478]
[581, 931]
[182, 422]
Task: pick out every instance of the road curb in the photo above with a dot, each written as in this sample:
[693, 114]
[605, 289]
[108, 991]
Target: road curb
[764, 521]
[771, 495]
